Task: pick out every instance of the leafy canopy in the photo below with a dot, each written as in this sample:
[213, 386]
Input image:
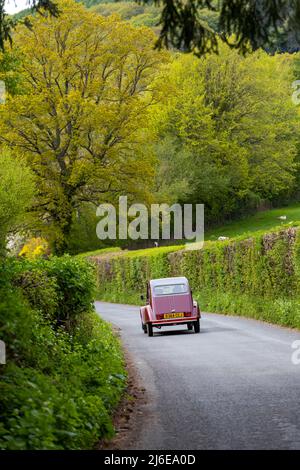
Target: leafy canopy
[229, 130]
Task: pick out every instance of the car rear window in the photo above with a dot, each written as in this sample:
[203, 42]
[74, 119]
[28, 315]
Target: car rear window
[170, 289]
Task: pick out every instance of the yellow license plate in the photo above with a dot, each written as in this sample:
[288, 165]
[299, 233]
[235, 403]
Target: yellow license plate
[173, 315]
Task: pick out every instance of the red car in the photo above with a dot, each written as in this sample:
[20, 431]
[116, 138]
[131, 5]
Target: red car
[169, 302]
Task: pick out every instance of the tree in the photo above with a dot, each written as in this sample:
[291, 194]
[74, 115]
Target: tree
[7, 23]
[231, 128]
[241, 23]
[81, 118]
[16, 194]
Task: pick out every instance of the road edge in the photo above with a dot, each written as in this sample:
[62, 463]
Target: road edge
[127, 416]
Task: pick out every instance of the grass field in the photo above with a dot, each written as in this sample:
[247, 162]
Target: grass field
[262, 221]
[265, 221]
[130, 253]
[100, 252]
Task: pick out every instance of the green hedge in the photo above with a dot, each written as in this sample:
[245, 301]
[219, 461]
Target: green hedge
[61, 288]
[256, 277]
[62, 379]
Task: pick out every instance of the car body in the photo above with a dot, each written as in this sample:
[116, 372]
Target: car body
[169, 301]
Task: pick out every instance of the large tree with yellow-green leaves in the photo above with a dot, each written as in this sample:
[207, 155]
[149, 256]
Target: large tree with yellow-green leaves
[81, 117]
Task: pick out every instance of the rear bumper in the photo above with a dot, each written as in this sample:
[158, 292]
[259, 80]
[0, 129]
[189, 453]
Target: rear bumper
[175, 321]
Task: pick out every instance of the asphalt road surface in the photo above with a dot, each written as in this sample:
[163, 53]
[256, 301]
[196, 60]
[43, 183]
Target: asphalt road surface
[233, 386]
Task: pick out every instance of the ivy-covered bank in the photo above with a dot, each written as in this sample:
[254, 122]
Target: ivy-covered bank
[64, 371]
[257, 277]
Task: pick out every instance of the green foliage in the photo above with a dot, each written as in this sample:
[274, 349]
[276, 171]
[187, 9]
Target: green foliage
[257, 276]
[246, 227]
[91, 3]
[61, 288]
[261, 221]
[285, 312]
[102, 251]
[9, 65]
[193, 25]
[152, 251]
[16, 194]
[40, 289]
[75, 279]
[67, 403]
[83, 236]
[140, 14]
[244, 24]
[137, 14]
[228, 131]
[124, 277]
[59, 386]
[78, 119]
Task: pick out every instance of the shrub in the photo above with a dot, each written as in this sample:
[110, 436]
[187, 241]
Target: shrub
[35, 248]
[41, 291]
[67, 406]
[60, 288]
[76, 284]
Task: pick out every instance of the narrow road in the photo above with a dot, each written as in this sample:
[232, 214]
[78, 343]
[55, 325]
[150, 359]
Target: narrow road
[233, 386]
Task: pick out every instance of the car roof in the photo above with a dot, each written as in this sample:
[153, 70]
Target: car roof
[168, 280]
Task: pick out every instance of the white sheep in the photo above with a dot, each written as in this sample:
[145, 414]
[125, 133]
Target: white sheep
[222, 239]
[282, 217]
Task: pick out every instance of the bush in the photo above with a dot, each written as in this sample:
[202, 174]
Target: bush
[75, 278]
[257, 277]
[69, 404]
[41, 291]
[35, 248]
[60, 288]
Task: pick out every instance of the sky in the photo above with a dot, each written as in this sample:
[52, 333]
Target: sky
[13, 6]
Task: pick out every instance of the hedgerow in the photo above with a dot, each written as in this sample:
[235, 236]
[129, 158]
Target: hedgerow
[256, 277]
[62, 379]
